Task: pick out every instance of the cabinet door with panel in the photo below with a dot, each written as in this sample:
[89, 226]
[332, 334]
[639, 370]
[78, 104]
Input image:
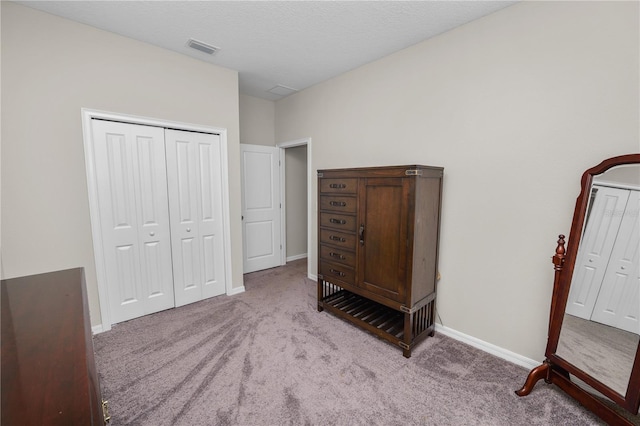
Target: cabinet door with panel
[383, 218]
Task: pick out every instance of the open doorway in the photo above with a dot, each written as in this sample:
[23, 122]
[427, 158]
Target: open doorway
[296, 178]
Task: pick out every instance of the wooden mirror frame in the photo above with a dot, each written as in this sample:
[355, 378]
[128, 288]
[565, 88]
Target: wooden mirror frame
[557, 370]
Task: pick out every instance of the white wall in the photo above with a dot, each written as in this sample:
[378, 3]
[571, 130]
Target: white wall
[257, 121]
[515, 106]
[51, 68]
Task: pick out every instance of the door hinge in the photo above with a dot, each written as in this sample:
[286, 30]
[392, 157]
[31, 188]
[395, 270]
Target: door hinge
[413, 172]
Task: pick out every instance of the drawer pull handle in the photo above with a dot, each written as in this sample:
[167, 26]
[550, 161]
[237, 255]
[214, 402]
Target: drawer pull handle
[338, 221]
[361, 234]
[338, 203]
[337, 255]
[336, 238]
[336, 272]
[338, 185]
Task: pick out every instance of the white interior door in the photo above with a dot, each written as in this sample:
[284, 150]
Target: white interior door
[595, 249]
[195, 203]
[618, 302]
[260, 207]
[134, 218]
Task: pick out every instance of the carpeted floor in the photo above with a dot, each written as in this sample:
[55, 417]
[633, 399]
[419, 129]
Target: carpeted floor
[604, 352]
[268, 357]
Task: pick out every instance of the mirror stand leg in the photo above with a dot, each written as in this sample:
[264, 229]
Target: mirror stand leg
[540, 372]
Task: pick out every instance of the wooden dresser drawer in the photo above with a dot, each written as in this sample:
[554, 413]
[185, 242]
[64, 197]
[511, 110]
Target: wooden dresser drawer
[339, 239]
[334, 271]
[338, 255]
[338, 204]
[338, 221]
[344, 186]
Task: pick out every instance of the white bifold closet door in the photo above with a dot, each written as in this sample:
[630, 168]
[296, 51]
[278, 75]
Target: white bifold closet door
[134, 217]
[160, 198]
[195, 205]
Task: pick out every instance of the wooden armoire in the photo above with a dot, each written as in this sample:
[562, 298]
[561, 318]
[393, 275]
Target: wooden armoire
[378, 231]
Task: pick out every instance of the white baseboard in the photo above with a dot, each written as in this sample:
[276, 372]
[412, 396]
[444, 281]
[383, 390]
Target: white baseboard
[296, 257]
[313, 277]
[97, 329]
[236, 290]
[503, 353]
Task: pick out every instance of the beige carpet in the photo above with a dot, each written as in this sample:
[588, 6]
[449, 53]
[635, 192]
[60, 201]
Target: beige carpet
[268, 357]
[604, 352]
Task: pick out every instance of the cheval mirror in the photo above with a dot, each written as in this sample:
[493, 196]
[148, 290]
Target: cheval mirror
[593, 350]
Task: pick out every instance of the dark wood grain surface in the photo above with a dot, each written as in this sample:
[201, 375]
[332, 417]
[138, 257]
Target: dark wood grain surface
[48, 371]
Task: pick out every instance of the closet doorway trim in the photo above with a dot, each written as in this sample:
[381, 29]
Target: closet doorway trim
[92, 187]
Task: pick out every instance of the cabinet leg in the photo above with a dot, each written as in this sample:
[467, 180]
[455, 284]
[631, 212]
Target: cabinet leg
[320, 294]
[408, 334]
[540, 372]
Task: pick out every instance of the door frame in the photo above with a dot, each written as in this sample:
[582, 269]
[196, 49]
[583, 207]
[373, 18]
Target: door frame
[92, 188]
[310, 208]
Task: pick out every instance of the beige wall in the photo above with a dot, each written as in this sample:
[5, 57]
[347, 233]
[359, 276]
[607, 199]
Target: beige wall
[296, 200]
[257, 127]
[51, 68]
[514, 106]
[257, 121]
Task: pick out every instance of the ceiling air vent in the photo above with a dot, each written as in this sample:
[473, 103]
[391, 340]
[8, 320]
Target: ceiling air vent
[203, 47]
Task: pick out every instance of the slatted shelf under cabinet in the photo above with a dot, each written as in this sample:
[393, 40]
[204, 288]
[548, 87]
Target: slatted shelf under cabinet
[379, 319]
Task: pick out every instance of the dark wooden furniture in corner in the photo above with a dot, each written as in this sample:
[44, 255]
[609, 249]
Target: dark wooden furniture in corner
[48, 371]
[378, 233]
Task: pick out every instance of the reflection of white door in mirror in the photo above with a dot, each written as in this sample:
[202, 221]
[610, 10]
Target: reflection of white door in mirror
[618, 303]
[605, 284]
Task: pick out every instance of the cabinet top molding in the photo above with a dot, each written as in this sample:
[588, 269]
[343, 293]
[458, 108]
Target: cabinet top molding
[384, 171]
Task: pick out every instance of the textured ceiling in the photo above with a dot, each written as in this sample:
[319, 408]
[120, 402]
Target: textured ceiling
[291, 43]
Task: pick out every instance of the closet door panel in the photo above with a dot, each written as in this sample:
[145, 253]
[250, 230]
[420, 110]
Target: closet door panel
[127, 287]
[181, 171]
[130, 170]
[153, 218]
[114, 168]
[195, 203]
[211, 221]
